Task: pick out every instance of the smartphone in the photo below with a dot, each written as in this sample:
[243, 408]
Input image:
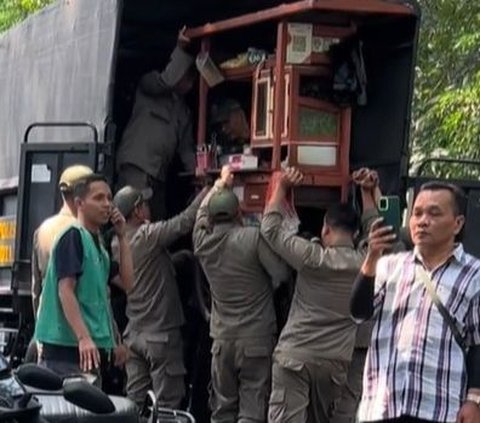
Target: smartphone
[389, 209]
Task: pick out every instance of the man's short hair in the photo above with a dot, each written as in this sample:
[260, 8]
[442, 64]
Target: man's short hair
[459, 199]
[82, 187]
[343, 217]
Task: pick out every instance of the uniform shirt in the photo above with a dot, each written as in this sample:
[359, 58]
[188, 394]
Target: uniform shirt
[319, 325]
[242, 271]
[161, 124]
[153, 304]
[414, 365]
[43, 240]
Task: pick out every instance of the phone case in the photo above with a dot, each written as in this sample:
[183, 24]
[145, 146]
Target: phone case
[389, 209]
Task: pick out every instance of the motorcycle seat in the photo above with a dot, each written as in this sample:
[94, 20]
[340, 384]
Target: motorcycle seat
[56, 409]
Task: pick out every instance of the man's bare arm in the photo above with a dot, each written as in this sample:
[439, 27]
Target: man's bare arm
[88, 351]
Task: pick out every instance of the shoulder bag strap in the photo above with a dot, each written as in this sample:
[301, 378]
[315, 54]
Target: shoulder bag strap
[427, 281]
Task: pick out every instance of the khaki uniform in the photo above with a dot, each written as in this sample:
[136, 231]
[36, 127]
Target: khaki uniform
[347, 406]
[242, 272]
[316, 345]
[159, 128]
[154, 310]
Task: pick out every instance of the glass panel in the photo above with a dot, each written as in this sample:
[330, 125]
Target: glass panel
[314, 123]
[317, 155]
[262, 109]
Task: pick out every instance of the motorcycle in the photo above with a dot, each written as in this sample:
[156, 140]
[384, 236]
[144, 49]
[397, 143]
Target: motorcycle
[34, 394]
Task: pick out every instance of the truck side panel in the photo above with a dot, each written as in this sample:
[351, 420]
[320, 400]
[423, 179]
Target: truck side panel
[55, 66]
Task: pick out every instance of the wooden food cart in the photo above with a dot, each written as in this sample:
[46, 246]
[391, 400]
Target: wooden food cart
[295, 119]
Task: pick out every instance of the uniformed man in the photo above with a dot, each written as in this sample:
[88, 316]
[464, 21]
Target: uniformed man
[230, 126]
[242, 272]
[154, 308]
[347, 405]
[316, 344]
[160, 127]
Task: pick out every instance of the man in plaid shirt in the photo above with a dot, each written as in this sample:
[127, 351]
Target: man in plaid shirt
[416, 370]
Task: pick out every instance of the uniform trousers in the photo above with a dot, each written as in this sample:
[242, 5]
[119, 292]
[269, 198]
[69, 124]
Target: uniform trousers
[241, 378]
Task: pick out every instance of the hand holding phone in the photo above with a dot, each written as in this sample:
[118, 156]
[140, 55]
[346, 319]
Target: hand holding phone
[380, 239]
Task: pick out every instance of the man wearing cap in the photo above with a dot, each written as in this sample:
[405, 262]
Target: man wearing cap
[242, 273]
[230, 126]
[154, 307]
[160, 127]
[50, 228]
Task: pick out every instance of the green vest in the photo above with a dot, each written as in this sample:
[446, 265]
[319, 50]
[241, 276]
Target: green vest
[92, 295]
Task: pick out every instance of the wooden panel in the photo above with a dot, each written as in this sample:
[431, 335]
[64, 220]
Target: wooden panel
[254, 195]
[246, 73]
[279, 94]
[286, 10]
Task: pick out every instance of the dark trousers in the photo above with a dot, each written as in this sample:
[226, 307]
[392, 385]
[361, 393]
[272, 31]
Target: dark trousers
[346, 408]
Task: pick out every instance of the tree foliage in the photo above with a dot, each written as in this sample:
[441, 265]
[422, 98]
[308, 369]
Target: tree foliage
[447, 94]
[14, 11]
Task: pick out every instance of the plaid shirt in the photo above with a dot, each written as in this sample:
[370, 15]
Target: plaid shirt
[414, 366]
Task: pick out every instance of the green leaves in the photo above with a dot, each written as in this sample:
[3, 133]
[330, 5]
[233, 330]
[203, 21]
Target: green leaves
[446, 114]
[14, 11]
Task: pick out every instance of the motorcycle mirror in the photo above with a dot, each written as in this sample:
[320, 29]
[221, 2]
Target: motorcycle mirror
[39, 377]
[88, 397]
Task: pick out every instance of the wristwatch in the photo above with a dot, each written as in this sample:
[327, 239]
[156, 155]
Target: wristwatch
[475, 398]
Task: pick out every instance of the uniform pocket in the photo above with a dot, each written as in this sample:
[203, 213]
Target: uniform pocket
[157, 351]
[174, 382]
[276, 409]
